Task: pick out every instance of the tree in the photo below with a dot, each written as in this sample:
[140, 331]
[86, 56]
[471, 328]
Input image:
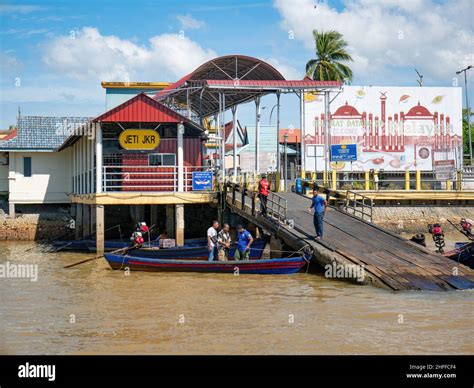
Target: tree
[465, 133]
[330, 53]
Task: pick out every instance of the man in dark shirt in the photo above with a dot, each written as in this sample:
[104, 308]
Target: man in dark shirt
[318, 208]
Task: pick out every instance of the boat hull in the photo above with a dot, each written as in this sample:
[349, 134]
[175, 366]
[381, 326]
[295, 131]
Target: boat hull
[463, 254]
[193, 253]
[261, 267]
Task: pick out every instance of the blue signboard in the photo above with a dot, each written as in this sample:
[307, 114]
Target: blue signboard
[202, 180]
[343, 152]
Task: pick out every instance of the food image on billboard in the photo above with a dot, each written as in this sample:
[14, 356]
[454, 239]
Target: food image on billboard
[394, 128]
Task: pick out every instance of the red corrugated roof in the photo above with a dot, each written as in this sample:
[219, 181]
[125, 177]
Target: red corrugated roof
[273, 83]
[141, 108]
[294, 135]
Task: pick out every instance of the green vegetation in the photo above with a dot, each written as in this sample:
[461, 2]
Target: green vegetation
[331, 52]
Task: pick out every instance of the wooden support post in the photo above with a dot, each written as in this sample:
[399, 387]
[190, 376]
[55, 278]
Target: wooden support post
[93, 220]
[277, 182]
[366, 180]
[170, 221]
[79, 222]
[407, 179]
[418, 180]
[99, 234]
[334, 180]
[179, 214]
[86, 221]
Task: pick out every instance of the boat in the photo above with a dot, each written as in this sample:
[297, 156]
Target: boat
[261, 267]
[462, 253]
[89, 245]
[192, 252]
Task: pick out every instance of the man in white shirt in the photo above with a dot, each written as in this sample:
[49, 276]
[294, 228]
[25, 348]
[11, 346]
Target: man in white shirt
[212, 240]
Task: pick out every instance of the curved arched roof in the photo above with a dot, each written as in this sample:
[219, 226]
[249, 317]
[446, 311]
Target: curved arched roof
[227, 67]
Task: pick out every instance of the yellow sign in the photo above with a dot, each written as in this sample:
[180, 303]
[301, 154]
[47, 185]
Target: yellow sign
[139, 139]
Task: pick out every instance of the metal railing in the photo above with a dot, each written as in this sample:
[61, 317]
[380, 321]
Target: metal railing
[277, 207]
[358, 205]
[147, 178]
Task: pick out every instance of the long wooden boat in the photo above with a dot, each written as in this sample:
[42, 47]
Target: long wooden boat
[193, 252]
[262, 267]
[89, 245]
[463, 254]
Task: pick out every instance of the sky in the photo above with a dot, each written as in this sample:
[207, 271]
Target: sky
[54, 54]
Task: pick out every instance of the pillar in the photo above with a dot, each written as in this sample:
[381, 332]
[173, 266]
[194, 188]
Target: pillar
[179, 227]
[234, 138]
[99, 234]
[334, 179]
[98, 162]
[278, 141]
[418, 180]
[407, 180]
[170, 220]
[303, 173]
[302, 137]
[11, 210]
[325, 177]
[79, 221]
[86, 221]
[366, 180]
[449, 185]
[93, 220]
[257, 134]
[459, 180]
[180, 157]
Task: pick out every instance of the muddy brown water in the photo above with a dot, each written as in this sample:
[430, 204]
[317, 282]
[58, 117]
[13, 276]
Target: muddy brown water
[91, 309]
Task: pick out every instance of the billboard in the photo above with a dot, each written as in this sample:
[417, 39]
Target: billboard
[394, 128]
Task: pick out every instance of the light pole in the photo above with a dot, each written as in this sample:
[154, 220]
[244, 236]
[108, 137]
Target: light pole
[468, 111]
[285, 171]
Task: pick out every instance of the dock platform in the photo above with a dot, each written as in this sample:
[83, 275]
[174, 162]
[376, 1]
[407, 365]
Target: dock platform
[389, 260]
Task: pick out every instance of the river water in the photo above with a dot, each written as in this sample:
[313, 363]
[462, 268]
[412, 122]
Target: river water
[90, 309]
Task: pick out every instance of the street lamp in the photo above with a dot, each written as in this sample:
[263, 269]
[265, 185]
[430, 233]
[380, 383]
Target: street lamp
[468, 111]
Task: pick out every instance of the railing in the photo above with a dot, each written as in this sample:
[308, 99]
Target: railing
[358, 205]
[147, 178]
[277, 207]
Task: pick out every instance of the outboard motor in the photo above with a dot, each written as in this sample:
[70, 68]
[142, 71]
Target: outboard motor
[136, 239]
[438, 236]
[466, 228]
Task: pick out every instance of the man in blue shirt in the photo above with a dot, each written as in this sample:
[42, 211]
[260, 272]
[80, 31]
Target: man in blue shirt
[244, 241]
[318, 207]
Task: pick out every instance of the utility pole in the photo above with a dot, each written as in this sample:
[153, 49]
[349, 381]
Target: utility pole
[469, 136]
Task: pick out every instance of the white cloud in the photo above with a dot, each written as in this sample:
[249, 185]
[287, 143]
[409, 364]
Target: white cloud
[93, 56]
[387, 35]
[187, 22]
[289, 72]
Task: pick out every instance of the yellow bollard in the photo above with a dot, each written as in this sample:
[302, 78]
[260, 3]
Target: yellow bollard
[459, 180]
[407, 179]
[334, 180]
[418, 180]
[325, 178]
[277, 182]
[367, 180]
[449, 185]
[313, 176]
[303, 174]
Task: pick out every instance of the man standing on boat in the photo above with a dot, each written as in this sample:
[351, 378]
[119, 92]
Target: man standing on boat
[318, 208]
[223, 243]
[244, 242]
[263, 191]
[212, 240]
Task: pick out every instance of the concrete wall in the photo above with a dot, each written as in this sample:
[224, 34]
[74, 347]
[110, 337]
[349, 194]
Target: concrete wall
[50, 181]
[3, 178]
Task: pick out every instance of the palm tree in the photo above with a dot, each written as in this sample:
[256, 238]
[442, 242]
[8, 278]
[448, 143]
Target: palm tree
[330, 53]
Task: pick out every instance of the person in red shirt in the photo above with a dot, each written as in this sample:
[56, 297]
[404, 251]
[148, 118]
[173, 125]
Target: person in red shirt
[263, 191]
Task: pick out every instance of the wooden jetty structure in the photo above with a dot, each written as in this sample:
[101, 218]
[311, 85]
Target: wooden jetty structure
[350, 239]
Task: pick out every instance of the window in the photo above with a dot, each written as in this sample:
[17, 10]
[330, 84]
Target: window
[161, 159]
[27, 166]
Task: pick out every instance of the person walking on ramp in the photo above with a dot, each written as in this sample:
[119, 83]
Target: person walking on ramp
[263, 191]
[318, 208]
